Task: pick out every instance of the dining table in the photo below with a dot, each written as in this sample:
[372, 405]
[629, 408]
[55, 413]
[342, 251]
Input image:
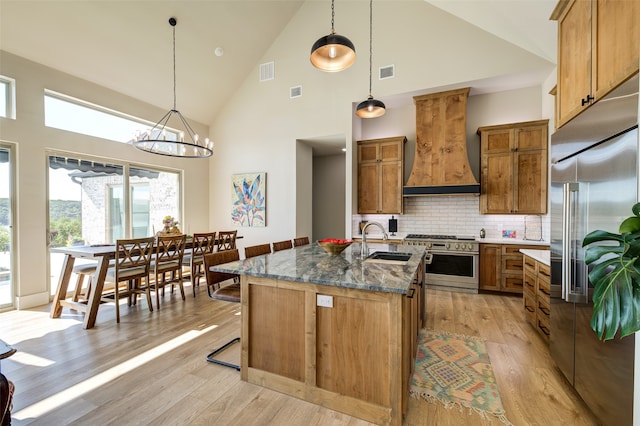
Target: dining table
[103, 253]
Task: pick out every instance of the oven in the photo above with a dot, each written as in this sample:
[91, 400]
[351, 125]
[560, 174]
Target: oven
[454, 261]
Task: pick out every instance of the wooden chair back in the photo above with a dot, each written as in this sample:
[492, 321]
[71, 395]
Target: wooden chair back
[300, 241]
[282, 245]
[257, 250]
[202, 243]
[215, 278]
[226, 240]
[133, 257]
[169, 252]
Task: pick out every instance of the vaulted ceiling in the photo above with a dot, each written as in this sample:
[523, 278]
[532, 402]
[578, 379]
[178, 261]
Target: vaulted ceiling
[126, 45]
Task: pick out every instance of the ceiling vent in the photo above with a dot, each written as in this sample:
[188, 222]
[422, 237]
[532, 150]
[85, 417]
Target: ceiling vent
[295, 92]
[385, 72]
[267, 71]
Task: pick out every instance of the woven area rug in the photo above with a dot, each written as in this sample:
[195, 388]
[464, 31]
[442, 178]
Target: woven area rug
[456, 371]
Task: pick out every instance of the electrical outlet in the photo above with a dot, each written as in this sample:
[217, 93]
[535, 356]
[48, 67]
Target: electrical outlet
[324, 301]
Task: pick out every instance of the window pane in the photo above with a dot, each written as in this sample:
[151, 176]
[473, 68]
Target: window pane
[4, 99]
[6, 283]
[162, 198]
[86, 205]
[77, 116]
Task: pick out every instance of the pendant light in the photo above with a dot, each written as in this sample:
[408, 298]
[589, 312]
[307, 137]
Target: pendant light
[333, 52]
[163, 140]
[371, 108]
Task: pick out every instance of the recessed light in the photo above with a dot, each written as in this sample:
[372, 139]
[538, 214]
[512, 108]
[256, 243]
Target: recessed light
[219, 51]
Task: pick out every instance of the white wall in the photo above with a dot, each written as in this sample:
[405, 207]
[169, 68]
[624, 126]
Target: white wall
[33, 139]
[259, 126]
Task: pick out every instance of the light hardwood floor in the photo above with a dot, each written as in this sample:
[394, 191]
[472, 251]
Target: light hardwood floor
[151, 368]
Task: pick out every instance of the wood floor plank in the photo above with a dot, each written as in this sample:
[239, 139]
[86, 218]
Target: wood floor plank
[172, 384]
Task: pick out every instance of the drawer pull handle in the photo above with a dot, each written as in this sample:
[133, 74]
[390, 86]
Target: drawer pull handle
[543, 273]
[529, 308]
[544, 290]
[544, 310]
[544, 329]
[413, 293]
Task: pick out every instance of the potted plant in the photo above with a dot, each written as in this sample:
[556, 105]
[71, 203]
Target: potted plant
[616, 278]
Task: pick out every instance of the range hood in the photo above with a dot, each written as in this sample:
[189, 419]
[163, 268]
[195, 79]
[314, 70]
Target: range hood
[441, 164]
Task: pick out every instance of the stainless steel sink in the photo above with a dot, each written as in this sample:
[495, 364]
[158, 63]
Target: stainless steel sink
[393, 257]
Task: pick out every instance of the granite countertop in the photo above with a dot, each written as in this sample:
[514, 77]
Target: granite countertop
[311, 264]
[542, 256]
[512, 241]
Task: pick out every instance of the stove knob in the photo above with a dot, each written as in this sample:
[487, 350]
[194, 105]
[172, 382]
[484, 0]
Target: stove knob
[457, 246]
[470, 246]
[447, 246]
[428, 245]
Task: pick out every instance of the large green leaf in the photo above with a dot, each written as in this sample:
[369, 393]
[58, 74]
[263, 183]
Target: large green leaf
[615, 276]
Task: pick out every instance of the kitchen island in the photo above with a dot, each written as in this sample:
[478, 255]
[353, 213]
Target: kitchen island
[333, 330]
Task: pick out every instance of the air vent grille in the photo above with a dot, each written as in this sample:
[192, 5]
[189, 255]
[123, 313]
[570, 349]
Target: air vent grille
[267, 71]
[388, 71]
[295, 92]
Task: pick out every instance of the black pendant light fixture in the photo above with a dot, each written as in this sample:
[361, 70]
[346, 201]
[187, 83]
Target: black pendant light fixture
[371, 108]
[164, 140]
[333, 52]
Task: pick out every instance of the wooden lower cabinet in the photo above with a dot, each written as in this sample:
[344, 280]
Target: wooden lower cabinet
[536, 296]
[501, 267]
[355, 357]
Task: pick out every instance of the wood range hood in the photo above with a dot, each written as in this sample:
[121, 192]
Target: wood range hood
[441, 164]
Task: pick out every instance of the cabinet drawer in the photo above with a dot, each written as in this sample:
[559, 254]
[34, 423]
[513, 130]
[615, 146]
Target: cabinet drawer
[529, 308]
[543, 327]
[512, 264]
[542, 308]
[511, 249]
[529, 282]
[512, 283]
[529, 264]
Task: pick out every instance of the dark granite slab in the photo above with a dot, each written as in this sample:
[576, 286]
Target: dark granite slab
[311, 264]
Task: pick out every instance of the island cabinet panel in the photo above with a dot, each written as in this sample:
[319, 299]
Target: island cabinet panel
[355, 357]
[356, 346]
[277, 329]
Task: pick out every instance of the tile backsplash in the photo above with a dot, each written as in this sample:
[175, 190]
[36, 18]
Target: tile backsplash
[455, 215]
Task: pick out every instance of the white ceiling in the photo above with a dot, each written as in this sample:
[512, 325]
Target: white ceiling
[92, 39]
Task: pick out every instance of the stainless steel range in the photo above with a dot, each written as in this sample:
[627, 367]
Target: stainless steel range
[454, 261]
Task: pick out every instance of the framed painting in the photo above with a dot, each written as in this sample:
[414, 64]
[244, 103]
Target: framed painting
[249, 200]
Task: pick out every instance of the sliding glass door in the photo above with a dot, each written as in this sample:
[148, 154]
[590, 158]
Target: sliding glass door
[6, 229]
[88, 203]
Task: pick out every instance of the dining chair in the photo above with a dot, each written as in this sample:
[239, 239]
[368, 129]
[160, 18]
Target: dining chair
[168, 261]
[257, 250]
[282, 245]
[131, 266]
[193, 258]
[227, 293]
[226, 240]
[300, 241]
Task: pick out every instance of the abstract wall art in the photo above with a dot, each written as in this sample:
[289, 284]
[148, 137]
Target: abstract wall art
[249, 199]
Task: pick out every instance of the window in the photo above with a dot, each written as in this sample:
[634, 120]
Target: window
[74, 115]
[7, 97]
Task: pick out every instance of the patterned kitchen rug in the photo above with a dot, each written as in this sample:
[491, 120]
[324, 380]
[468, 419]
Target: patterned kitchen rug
[456, 371]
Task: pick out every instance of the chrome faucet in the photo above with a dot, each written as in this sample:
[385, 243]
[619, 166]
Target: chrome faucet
[364, 252]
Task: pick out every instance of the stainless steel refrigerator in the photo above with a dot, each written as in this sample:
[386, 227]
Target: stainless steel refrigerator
[594, 184]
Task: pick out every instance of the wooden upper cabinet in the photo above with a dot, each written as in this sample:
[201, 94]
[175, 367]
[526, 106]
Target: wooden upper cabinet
[598, 49]
[380, 175]
[514, 168]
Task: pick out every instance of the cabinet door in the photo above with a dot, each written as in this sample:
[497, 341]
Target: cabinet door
[391, 151]
[496, 191]
[390, 187]
[616, 43]
[368, 153]
[574, 59]
[530, 188]
[368, 184]
[490, 264]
